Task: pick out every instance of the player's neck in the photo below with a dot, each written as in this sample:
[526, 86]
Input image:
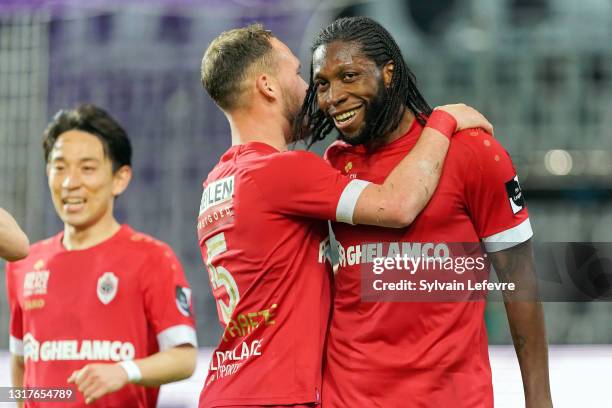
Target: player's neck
[403, 128]
[76, 238]
[261, 127]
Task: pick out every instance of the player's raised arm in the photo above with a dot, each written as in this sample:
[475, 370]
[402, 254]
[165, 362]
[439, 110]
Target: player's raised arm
[14, 243]
[408, 188]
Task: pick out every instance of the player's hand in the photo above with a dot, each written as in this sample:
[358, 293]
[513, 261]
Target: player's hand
[467, 117]
[97, 380]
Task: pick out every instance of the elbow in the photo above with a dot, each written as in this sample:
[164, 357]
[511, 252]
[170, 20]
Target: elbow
[18, 252]
[401, 217]
[189, 362]
[24, 248]
[403, 221]
[190, 368]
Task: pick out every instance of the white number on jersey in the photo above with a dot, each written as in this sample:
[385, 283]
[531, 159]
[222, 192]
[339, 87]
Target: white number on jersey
[221, 277]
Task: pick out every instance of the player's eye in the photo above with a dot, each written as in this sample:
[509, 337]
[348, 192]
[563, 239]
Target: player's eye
[349, 76]
[321, 85]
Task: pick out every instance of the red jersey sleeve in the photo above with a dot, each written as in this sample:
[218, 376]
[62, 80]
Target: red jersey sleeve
[16, 319]
[167, 298]
[301, 183]
[493, 193]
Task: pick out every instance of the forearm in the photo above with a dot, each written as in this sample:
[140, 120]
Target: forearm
[17, 372]
[14, 243]
[408, 187]
[526, 321]
[167, 366]
[414, 180]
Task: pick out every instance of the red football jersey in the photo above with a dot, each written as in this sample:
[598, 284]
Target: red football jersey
[421, 355]
[123, 299]
[262, 232]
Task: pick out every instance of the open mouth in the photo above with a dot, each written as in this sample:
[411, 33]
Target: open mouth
[73, 204]
[344, 119]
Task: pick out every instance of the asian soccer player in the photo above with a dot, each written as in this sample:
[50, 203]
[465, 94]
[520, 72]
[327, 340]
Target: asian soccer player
[99, 306]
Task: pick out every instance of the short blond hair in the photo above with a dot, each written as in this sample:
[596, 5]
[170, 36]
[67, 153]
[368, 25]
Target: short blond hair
[231, 58]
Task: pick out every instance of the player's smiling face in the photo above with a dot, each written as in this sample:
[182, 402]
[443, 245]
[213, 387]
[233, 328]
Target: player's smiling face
[349, 86]
[81, 180]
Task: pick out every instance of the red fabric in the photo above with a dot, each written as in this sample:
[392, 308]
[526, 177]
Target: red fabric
[443, 122]
[417, 355]
[261, 243]
[65, 308]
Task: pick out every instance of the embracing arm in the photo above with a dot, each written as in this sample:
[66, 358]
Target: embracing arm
[526, 320]
[408, 188]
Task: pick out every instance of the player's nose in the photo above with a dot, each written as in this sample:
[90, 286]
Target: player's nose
[336, 95]
[71, 180]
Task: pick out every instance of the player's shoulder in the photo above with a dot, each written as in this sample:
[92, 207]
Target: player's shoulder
[138, 241]
[46, 245]
[288, 162]
[479, 146]
[336, 150]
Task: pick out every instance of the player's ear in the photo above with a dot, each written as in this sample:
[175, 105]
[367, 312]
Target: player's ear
[121, 179]
[387, 73]
[266, 86]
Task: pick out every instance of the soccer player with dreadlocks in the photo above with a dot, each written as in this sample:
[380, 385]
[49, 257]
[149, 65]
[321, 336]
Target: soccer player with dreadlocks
[262, 225]
[427, 354]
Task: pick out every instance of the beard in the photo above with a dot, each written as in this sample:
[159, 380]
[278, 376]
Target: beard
[292, 106]
[373, 110]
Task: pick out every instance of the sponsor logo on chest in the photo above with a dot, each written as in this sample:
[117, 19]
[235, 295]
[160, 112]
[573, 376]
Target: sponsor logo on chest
[367, 253]
[93, 350]
[35, 283]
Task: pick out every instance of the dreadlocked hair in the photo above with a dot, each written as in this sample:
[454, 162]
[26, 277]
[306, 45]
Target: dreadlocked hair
[377, 44]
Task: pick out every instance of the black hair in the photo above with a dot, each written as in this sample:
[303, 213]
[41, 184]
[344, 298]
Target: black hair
[377, 44]
[96, 121]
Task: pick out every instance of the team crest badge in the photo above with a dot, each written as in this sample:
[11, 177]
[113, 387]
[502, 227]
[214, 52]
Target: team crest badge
[107, 287]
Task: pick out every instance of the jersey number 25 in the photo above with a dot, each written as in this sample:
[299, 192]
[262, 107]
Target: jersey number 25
[221, 279]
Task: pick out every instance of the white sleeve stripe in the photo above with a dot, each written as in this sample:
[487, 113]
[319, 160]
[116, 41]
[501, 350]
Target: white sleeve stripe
[348, 200]
[509, 238]
[16, 346]
[175, 336]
